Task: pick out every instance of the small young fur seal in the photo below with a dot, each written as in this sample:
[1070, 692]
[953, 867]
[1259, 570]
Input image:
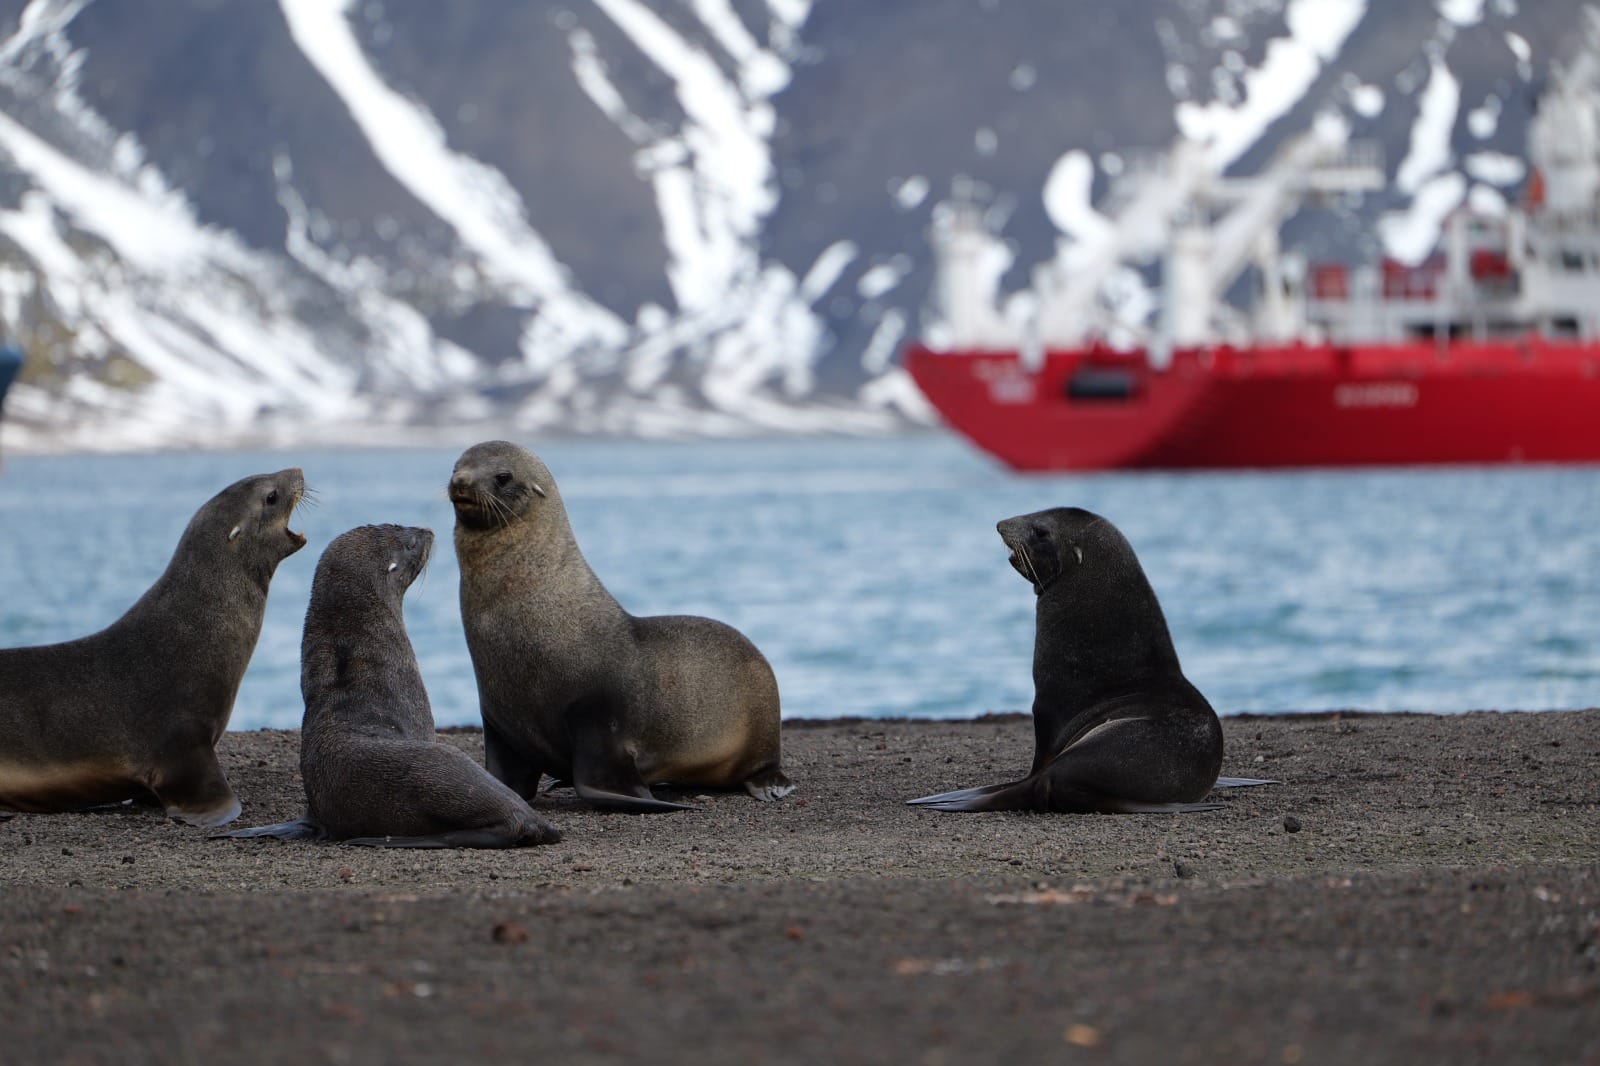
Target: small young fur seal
[137, 708]
[375, 772]
[1117, 727]
[570, 684]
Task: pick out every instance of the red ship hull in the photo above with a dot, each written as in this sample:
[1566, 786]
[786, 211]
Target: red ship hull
[1531, 400]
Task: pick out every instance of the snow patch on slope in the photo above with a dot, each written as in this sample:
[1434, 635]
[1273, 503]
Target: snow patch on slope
[1496, 168]
[1068, 199]
[474, 198]
[178, 331]
[1318, 30]
[1462, 12]
[1430, 134]
[750, 327]
[714, 178]
[1411, 234]
[1367, 100]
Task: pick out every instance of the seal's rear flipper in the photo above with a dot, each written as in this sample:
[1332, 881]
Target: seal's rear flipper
[1242, 782]
[640, 802]
[1035, 794]
[1117, 806]
[193, 789]
[456, 838]
[1008, 797]
[299, 829]
[606, 777]
[959, 794]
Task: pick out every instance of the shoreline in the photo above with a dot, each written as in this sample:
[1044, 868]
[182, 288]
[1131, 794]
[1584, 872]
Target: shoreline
[1437, 897]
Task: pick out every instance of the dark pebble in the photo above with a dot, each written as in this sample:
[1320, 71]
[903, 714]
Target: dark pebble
[1291, 824]
[509, 932]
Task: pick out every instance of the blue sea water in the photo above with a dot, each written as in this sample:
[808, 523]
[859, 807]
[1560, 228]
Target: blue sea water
[870, 574]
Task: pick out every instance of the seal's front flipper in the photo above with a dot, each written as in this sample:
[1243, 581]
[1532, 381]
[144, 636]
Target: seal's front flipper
[637, 801]
[299, 829]
[508, 766]
[1242, 782]
[194, 789]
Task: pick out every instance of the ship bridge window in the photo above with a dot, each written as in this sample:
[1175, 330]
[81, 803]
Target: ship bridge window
[1092, 385]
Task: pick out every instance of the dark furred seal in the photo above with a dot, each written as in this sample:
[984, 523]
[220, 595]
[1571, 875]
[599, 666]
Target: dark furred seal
[375, 771]
[1117, 727]
[572, 685]
[137, 708]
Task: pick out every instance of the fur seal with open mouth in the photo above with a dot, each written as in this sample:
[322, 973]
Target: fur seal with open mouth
[1117, 727]
[137, 708]
[375, 772]
[572, 685]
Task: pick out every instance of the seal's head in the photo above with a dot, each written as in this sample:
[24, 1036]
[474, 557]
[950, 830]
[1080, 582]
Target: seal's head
[1047, 545]
[496, 484]
[252, 517]
[372, 562]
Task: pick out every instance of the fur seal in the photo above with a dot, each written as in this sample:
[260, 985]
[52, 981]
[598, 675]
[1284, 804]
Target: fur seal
[572, 685]
[1117, 727]
[138, 708]
[375, 772]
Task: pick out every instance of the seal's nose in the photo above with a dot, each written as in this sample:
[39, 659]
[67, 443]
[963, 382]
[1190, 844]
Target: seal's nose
[461, 486]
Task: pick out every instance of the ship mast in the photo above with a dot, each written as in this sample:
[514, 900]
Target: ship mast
[1207, 229]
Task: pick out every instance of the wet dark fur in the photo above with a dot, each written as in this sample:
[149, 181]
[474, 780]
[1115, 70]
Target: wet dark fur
[1117, 727]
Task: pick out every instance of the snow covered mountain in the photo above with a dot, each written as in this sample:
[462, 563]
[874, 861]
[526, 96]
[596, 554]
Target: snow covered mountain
[230, 222]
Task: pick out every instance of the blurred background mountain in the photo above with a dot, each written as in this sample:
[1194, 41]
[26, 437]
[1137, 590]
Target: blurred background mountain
[226, 222]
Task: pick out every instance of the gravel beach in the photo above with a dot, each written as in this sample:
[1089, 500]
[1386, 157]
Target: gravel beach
[1417, 889]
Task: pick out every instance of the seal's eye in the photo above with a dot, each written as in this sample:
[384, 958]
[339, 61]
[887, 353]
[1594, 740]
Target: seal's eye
[393, 567]
[272, 497]
[503, 478]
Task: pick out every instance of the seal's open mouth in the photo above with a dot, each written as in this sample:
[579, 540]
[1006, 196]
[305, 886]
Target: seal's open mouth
[301, 495]
[1022, 564]
[1020, 559]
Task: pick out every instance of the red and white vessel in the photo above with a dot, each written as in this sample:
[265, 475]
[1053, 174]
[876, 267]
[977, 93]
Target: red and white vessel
[1486, 352]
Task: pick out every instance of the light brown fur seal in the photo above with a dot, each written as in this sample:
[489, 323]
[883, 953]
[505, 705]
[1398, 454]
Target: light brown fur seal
[375, 771]
[136, 710]
[572, 685]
